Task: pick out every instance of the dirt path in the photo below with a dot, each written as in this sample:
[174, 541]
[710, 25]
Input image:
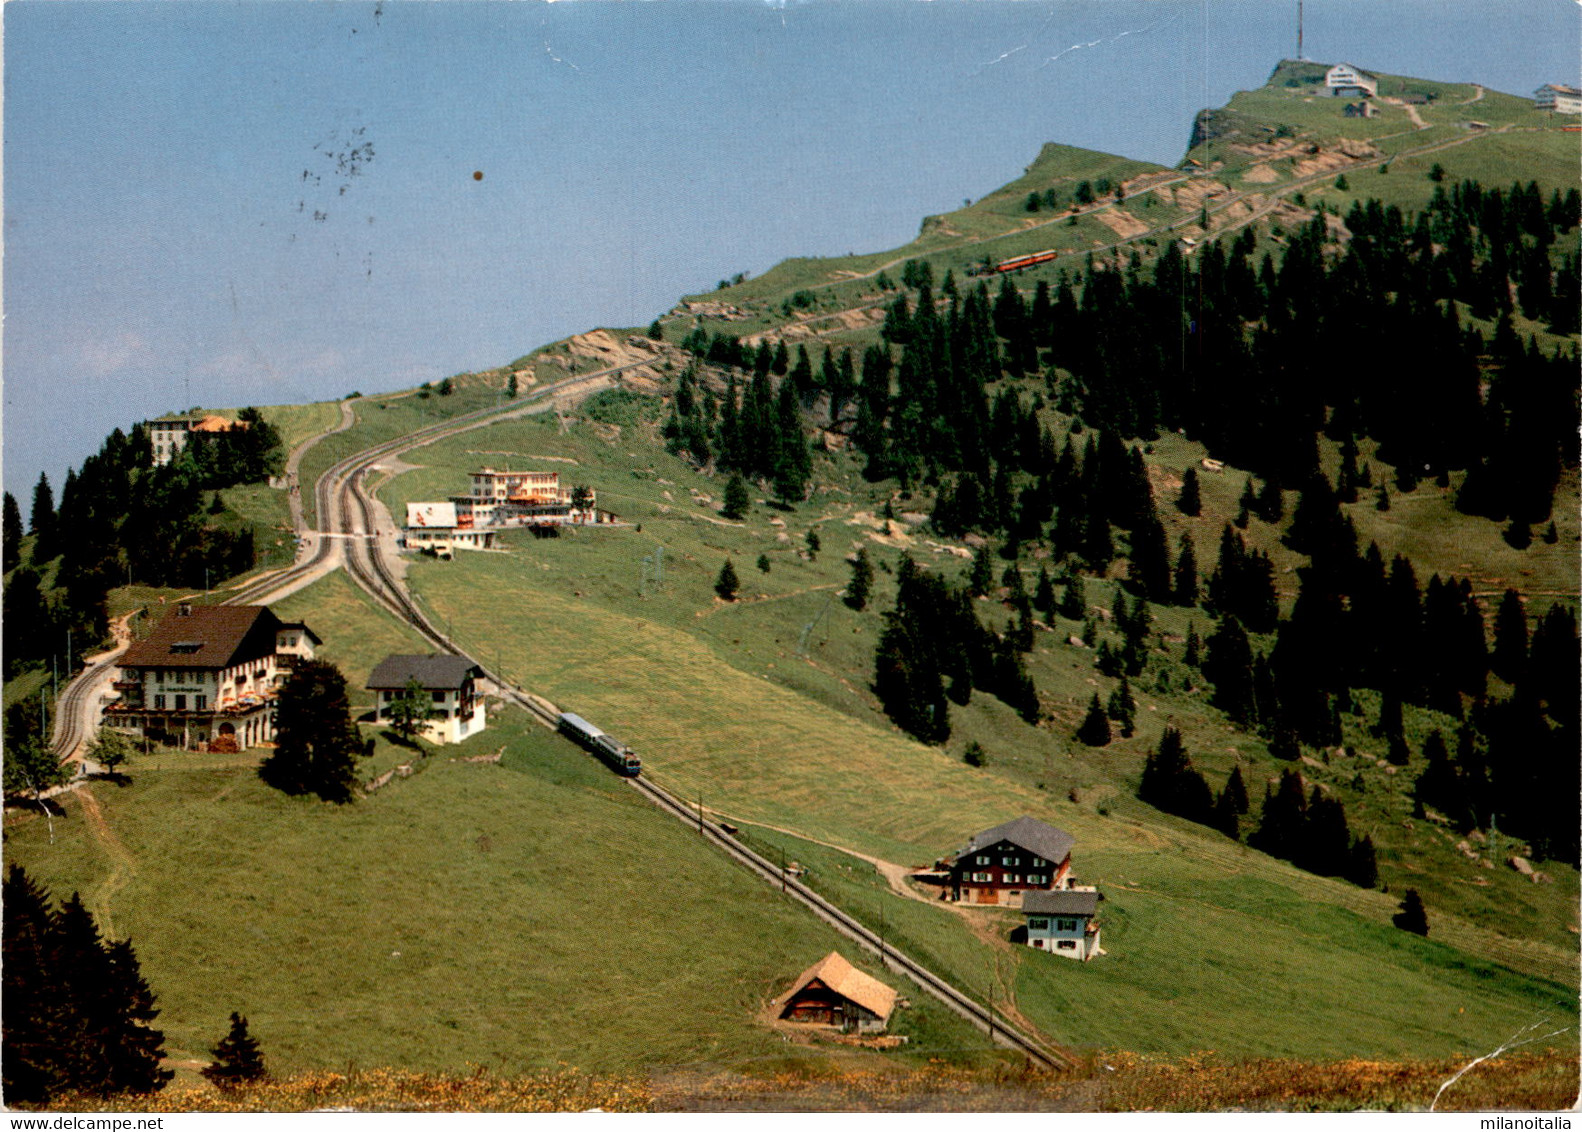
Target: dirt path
[1411, 111]
[122, 864]
[894, 874]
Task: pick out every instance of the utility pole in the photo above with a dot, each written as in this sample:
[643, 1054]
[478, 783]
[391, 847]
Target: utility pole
[1299, 54]
[700, 812]
[882, 961]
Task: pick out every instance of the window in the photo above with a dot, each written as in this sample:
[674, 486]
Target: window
[1011, 878]
[980, 878]
[159, 703]
[1039, 862]
[201, 703]
[1008, 860]
[181, 703]
[1065, 925]
[439, 697]
[1034, 878]
[1038, 924]
[1066, 944]
[982, 861]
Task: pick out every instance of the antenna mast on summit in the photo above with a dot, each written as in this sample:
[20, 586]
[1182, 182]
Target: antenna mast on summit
[1299, 54]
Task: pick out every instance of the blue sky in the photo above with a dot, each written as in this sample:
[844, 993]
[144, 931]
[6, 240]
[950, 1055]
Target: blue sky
[225, 204]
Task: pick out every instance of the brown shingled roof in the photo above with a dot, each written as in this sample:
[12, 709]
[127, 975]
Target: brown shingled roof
[845, 980]
[208, 636]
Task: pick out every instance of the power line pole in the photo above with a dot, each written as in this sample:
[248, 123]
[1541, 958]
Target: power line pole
[1299, 54]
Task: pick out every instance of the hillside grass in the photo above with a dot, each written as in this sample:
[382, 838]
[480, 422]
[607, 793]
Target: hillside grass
[720, 705]
[1193, 963]
[296, 423]
[521, 915]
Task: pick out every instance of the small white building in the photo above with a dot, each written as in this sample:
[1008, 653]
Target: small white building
[1063, 922]
[434, 526]
[449, 684]
[168, 435]
[1559, 98]
[1345, 81]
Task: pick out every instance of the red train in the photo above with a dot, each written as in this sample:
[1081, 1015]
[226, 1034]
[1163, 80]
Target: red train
[1016, 263]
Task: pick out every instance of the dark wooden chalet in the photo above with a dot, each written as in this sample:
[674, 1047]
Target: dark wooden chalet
[834, 993]
[998, 865]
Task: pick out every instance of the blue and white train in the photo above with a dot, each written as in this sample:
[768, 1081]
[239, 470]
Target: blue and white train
[614, 752]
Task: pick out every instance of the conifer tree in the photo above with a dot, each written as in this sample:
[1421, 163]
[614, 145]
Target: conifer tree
[1095, 728]
[42, 521]
[982, 574]
[1074, 602]
[793, 466]
[1281, 824]
[1248, 502]
[317, 744]
[238, 1060]
[1231, 804]
[726, 584]
[31, 1014]
[11, 536]
[1190, 501]
[1044, 594]
[1185, 590]
[1382, 497]
[1271, 502]
[1228, 666]
[77, 1011]
[1189, 652]
[1412, 917]
[737, 501]
[1122, 708]
[1389, 721]
[861, 581]
[134, 1048]
[1509, 656]
[1362, 865]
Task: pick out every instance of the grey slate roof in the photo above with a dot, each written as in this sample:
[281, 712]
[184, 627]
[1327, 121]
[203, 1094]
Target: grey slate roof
[1029, 833]
[435, 672]
[1060, 903]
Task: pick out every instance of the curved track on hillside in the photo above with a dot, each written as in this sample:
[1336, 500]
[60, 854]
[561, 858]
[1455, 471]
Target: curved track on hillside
[344, 498]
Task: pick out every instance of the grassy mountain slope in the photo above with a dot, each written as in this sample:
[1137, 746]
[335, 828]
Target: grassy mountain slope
[531, 945]
[519, 915]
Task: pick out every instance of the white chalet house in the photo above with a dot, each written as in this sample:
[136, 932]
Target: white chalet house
[1559, 98]
[449, 684]
[1345, 81]
[206, 676]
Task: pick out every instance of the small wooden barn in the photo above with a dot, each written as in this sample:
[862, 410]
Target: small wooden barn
[834, 993]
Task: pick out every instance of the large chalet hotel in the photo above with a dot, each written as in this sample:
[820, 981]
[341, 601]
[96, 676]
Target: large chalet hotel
[207, 676]
[499, 499]
[1001, 865]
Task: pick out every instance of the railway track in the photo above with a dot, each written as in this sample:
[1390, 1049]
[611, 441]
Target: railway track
[354, 516]
[75, 722]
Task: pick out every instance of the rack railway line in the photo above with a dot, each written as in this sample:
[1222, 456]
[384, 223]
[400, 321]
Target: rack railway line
[343, 497]
[348, 526]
